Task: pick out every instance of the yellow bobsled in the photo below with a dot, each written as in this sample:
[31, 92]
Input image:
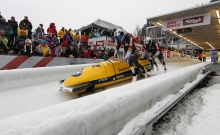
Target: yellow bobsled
[100, 75]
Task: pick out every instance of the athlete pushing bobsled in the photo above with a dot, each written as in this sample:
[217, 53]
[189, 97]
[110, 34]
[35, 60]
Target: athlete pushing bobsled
[130, 56]
[155, 50]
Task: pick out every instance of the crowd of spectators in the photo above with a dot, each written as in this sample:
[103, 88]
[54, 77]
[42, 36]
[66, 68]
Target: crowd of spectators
[21, 39]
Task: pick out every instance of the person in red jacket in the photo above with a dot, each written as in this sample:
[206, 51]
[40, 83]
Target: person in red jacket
[86, 52]
[85, 40]
[57, 51]
[52, 29]
[137, 39]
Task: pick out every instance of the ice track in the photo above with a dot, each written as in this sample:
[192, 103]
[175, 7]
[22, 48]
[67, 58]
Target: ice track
[30, 98]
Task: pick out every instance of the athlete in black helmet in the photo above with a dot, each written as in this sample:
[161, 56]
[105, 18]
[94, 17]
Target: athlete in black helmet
[132, 58]
[155, 50]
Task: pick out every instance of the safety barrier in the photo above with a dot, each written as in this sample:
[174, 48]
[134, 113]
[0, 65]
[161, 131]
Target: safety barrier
[113, 108]
[30, 76]
[17, 62]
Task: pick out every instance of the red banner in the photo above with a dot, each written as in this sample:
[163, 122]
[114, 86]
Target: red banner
[110, 43]
[91, 44]
[193, 20]
[100, 43]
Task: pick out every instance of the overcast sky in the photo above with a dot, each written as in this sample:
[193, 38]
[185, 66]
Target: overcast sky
[77, 13]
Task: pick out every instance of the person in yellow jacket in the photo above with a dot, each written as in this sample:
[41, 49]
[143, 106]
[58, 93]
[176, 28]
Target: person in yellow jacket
[43, 49]
[204, 55]
[61, 33]
[76, 37]
[71, 32]
[218, 55]
[19, 31]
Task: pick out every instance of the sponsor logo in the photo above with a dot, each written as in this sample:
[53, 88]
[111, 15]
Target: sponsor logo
[173, 24]
[193, 20]
[100, 43]
[119, 76]
[123, 69]
[103, 79]
[110, 43]
[91, 44]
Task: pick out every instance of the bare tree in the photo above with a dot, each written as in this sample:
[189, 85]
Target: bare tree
[137, 31]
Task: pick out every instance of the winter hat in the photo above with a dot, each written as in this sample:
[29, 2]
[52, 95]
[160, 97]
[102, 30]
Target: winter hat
[25, 48]
[43, 41]
[22, 31]
[28, 41]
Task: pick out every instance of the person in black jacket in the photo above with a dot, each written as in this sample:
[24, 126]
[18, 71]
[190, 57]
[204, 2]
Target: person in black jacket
[71, 52]
[14, 25]
[25, 23]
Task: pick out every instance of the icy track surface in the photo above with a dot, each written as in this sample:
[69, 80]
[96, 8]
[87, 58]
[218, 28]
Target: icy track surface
[197, 114]
[21, 100]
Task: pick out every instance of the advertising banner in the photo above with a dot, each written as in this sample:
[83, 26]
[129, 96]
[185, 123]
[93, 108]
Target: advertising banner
[186, 22]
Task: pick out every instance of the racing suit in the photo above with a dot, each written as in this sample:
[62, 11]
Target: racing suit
[155, 50]
[132, 58]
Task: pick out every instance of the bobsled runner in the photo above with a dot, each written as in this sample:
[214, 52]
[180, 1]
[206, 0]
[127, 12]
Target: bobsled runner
[100, 75]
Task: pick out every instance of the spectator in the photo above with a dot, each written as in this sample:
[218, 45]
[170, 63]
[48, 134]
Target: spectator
[43, 49]
[19, 43]
[76, 37]
[20, 38]
[25, 24]
[106, 32]
[68, 35]
[218, 55]
[28, 48]
[52, 30]
[57, 51]
[204, 55]
[6, 27]
[91, 34]
[71, 32]
[111, 52]
[93, 52]
[105, 55]
[86, 52]
[3, 43]
[85, 40]
[136, 40]
[71, 52]
[66, 43]
[61, 34]
[97, 33]
[200, 57]
[14, 25]
[37, 34]
[41, 25]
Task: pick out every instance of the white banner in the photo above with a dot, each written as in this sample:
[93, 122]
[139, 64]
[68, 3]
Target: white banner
[191, 21]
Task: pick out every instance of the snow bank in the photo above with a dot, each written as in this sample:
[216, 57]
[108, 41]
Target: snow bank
[197, 114]
[30, 76]
[102, 113]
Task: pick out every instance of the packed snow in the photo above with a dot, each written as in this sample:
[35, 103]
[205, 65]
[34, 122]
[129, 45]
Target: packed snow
[197, 114]
[58, 122]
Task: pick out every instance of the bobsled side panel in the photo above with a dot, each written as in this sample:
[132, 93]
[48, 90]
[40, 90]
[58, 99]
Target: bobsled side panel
[120, 67]
[109, 68]
[89, 74]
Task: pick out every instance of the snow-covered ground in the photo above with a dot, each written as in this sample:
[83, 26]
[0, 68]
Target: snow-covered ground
[19, 101]
[197, 114]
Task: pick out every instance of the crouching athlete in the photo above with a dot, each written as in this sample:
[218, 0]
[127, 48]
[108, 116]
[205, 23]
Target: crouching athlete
[155, 50]
[132, 58]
